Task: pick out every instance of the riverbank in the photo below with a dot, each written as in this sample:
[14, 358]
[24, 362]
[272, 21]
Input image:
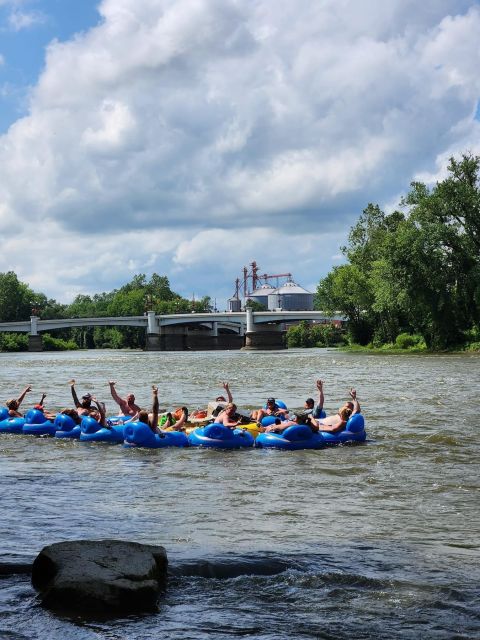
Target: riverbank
[473, 349]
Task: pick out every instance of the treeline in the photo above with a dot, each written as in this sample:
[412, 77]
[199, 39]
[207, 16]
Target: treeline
[18, 301]
[412, 277]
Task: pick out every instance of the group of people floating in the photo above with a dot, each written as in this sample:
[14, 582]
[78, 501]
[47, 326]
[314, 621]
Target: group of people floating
[223, 411]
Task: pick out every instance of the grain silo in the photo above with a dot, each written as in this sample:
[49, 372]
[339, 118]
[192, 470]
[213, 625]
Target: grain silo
[290, 297]
[262, 294]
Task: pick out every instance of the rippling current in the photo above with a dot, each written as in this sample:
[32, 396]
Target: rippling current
[373, 541]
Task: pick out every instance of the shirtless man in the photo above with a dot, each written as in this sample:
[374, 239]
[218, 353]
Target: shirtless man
[85, 406]
[127, 405]
[338, 421]
[229, 416]
[14, 404]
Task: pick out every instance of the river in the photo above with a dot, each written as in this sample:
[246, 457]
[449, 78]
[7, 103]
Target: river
[379, 540]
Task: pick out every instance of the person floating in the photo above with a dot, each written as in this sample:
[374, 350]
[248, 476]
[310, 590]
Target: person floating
[337, 422]
[13, 404]
[271, 409]
[85, 406]
[332, 424]
[127, 405]
[39, 407]
[229, 417]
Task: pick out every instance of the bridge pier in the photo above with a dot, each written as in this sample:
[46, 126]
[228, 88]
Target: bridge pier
[34, 338]
[35, 343]
[264, 336]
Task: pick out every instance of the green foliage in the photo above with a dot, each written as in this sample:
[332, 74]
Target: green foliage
[406, 341]
[13, 342]
[255, 306]
[16, 298]
[307, 335]
[414, 273]
[57, 344]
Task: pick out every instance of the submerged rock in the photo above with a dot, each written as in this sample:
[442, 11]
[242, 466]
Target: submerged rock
[100, 576]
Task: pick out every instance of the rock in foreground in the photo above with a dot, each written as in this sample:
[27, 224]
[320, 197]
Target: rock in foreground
[100, 576]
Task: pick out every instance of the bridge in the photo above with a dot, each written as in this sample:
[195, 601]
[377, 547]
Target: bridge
[178, 332]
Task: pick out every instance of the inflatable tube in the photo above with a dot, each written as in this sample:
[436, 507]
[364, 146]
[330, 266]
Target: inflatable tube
[114, 420]
[112, 435]
[217, 436]
[66, 427]
[280, 404]
[12, 425]
[268, 420]
[292, 439]
[139, 434]
[92, 431]
[37, 425]
[354, 432]
[3, 413]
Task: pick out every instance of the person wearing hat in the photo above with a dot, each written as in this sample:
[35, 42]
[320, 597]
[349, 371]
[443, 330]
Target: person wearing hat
[14, 404]
[40, 407]
[271, 409]
[85, 406]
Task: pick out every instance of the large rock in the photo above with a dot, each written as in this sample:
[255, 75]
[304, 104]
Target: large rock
[101, 576]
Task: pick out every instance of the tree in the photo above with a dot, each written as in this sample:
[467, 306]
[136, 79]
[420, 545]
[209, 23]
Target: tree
[16, 298]
[346, 290]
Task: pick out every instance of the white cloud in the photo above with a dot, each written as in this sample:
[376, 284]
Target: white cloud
[19, 20]
[203, 125]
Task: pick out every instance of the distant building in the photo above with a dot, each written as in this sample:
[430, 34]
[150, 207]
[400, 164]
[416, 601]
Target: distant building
[290, 297]
[234, 304]
[261, 294]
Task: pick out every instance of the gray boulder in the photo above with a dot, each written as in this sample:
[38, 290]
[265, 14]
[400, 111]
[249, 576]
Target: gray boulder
[100, 576]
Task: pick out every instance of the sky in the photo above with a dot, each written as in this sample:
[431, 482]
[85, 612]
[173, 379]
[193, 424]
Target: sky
[192, 137]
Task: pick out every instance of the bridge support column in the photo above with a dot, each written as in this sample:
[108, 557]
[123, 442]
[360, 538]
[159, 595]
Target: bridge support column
[34, 339]
[35, 343]
[155, 341]
[263, 337]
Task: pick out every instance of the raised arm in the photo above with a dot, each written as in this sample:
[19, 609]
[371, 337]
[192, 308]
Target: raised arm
[114, 393]
[74, 394]
[101, 409]
[155, 407]
[44, 395]
[229, 393]
[356, 405]
[23, 394]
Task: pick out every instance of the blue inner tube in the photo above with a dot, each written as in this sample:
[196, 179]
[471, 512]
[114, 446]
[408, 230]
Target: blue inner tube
[292, 439]
[12, 425]
[218, 436]
[3, 413]
[37, 425]
[139, 434]
[66, 427]
[92, 431]
[354, 432]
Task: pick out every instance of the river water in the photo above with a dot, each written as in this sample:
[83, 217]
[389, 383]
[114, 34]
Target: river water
[379, 540]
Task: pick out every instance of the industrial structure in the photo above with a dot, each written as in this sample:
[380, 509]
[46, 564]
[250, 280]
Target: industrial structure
[267, 291]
